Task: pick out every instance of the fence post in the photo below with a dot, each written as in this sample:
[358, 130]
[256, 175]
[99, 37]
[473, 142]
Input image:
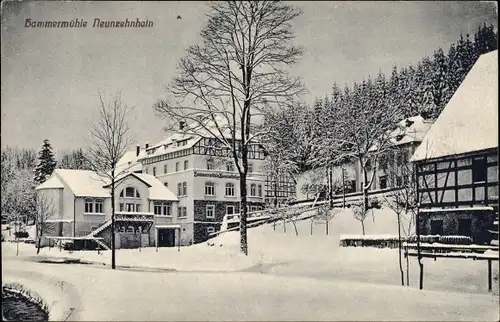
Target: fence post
[489, 275]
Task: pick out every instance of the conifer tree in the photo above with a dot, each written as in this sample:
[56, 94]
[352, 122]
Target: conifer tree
[46, 163]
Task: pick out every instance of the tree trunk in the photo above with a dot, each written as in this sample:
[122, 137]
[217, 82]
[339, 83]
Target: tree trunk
[363, 226]
[113, 250]
[400, 248]
[330, 186]
[312, 222]
[327, 224]
[420, 264]
[343, 188]
[243, 211]
[275, 199]
[407, 268]
[295, 227]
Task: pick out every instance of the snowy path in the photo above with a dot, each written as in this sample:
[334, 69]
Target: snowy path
[103, 294]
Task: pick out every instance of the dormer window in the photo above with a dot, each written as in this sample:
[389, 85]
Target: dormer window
[130, 192]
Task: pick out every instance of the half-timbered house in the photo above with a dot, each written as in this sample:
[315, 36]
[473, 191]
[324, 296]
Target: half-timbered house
[457, 162]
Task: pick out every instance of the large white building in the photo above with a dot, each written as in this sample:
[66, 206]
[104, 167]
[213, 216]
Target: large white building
[79, 204]
[205, 181]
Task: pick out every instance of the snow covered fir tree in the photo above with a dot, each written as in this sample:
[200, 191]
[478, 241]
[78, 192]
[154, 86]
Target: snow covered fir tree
[46, 163]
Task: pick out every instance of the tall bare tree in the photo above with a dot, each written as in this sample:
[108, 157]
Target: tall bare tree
[109, 140]
[45, 209]
[228, 82]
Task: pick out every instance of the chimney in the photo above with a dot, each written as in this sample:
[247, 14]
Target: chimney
[137, 150]
[147, 146]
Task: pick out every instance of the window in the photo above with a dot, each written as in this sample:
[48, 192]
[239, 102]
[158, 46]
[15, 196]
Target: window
[230, 210]
[436, 227]
[122, 206]
[253, 208]
[253, 191]
[209, 189]
[399, 181]
[210, 165]
[382, 182]
[89, 205]
[177, 167]
[250, 167]
[99, 206]
[154, 171]
[132, 207]
[260, 190]
[157, 209]
[186, 164]
[479, 170]
[210, 211]
[165, 169]
[210, 230]
[130, 192]
[179, 189]
[162, 208]
[184, 188]
[229, 189]
[181, 212]
[464, 227]
[130, 229]
[230, 166]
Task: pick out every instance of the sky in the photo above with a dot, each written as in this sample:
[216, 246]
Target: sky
[51, 77]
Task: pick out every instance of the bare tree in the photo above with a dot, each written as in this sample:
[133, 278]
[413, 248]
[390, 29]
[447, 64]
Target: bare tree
[45, 209]
[360, 213]
[238, 73]
[109, 140]
[327, 214]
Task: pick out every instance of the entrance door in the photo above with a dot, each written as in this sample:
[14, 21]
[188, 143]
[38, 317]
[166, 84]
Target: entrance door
[166, 237]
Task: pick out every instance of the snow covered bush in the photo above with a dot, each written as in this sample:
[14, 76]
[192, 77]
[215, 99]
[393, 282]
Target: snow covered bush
[28, 295]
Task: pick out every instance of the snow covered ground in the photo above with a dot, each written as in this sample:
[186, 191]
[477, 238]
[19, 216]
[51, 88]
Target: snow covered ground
[285, 277]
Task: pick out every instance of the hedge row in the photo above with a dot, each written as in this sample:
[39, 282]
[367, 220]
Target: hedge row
[393, 242]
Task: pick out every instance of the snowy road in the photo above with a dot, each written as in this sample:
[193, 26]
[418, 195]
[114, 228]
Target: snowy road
[98, 293]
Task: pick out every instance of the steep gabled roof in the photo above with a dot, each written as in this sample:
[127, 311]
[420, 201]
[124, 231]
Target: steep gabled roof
[412, 129]
[468, 123]
[83, 183]
[52, 183]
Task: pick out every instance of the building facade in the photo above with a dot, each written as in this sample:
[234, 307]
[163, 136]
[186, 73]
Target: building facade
[457, 162]
[80, 203]
[392, 169]
[205, 181]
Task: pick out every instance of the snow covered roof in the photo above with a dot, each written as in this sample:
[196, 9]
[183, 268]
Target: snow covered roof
[175, 142]
[412, 129]
[52, 183]
[468, 123]
[83, 183]
[130, 161]
[157, 191]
